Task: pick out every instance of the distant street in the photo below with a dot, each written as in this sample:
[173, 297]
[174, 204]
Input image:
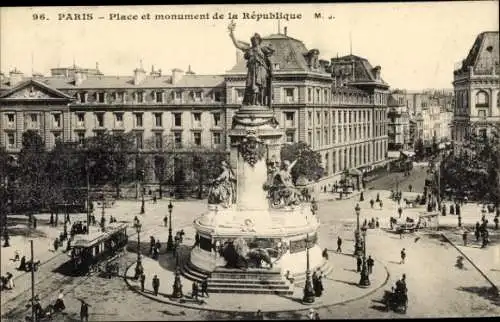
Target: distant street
[390, 182]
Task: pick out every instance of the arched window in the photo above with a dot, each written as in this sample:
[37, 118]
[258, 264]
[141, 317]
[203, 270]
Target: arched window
[482, 99]
[465, 100]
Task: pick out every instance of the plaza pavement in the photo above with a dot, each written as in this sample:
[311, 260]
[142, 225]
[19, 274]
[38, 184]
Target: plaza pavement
[340, 286]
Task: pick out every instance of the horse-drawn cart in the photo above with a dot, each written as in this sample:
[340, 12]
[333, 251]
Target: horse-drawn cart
[396, 301]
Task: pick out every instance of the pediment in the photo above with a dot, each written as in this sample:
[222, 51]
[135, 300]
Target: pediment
[33, 90]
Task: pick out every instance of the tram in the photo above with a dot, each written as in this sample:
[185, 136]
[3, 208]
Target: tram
[90, 249]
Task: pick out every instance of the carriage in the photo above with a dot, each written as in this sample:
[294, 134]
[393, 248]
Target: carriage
[91, 249]
[396, 301]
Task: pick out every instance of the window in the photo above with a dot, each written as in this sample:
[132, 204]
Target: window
[289, 119]
[198, 96]
[309, 138]
[326, 119]
[177, 119]
[158, 120]
[240, 92]
[345, 117]
[318, 138]
[310, 119]
[217, 96]
[118, 120]
[326, 138]
[350, 117]
[178, 139]
[276, 66]
[482, 99]
[318, 95]
[33, 121]
[216, 138]
[355, 114]
[290, 137]
[57, 136]
[159, 97]
[11, 120]
[119, 97]
[158, 140]
[326, 95]
[197, 138]
[80, 119]
[327, 163]
[81, 138]
[83, 97]
[481, 113]
[289, 97]
[138, 119]
[100, 97]
[56, 120]
[318, 118]
[334, 135]
[139, 97]
[100, 119]
[216, 118]
[197, 119]
[11, 140]
[139, 139]
[177, 96]
[309, 95]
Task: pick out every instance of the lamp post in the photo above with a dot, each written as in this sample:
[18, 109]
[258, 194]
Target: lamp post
[170, 242]
[365, 280]
[142, 200]
[138, 267]
[357, 245]
[308, 288]
[87, 168]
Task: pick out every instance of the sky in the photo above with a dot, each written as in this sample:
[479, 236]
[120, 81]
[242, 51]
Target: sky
[416, 44]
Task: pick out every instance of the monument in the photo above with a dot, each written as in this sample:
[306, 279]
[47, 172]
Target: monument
[257, 226]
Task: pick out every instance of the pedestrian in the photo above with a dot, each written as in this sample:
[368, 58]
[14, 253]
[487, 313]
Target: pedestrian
[410, 187]
[165, 221]
[403, 256]
[316, 316]
[259, 315]
[372, 203]
[377, 224]
[369, 263]
[324, 254]
[359, 262]
[84, 311]
[156, 285]
[495, 220]
[400, 211]
[22, 264]
[443, 210]
[381, 204]
[152, 243]
[143, 280]
[67, 218]
[378, 197]
[457, 209]
[34, 222]
[154, 198]
[318, 286]
[51, 221]
[204, 287]
[56, 244]
[464, 237]
[452, 209]
[194, 293]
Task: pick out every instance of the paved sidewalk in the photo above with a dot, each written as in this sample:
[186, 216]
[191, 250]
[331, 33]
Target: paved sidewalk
[340, 286]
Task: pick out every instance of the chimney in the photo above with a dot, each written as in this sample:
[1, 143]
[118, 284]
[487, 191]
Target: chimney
[80, 76]
[376, 70]
[239, 57]
[177, 75]
[139, 75]
[285, 29]
[97, 66]
[16, 77]
[189, 71]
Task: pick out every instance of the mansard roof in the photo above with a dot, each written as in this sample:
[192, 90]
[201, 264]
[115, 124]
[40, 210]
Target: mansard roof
[484, 53]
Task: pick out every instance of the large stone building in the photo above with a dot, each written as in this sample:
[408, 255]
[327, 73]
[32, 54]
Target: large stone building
[399, 122]
[337, 106]
[476, 82]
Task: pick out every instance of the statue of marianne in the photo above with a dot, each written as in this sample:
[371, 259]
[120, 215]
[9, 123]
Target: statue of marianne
[258, 83]
[222, 190]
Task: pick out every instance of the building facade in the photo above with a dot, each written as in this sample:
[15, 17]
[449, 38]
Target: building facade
[399, 122]
[338, 106]
[476, 82]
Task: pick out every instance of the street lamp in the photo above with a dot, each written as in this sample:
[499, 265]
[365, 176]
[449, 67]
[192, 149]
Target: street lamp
[138, 267]
[365, 280]
[357, 245]
[308, 288]
[170, 242]
[142, 201]
[87, 167]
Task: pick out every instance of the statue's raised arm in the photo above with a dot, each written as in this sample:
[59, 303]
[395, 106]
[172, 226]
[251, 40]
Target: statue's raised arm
[238, 44]
[291, 165]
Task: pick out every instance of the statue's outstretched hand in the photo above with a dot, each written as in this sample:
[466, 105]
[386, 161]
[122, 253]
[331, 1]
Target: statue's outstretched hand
[232, 26]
